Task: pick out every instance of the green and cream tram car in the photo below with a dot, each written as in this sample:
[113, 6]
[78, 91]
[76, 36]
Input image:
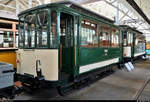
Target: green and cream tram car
[133, 43]
[63, 42]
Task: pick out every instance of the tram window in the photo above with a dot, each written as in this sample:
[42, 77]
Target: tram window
[130, 39]
[82, 22]
[104, 35]
[42, 19]
[17, 39]
[89, 34]
[125, 39]
[76, 29]
[87, 23]
[21, 27]
[53, 34]
[30, 31]
[32, 35]
[139, 44]
[7, 38]
[115, 37]
[26, 35]
[63, 27]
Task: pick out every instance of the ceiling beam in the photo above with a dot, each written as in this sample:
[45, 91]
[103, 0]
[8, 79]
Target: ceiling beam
[138, 9]
[7, 6]
[24, 3]
[145, 29]
[124, 16]
[8, 2]
[117, 8]
[81, 2]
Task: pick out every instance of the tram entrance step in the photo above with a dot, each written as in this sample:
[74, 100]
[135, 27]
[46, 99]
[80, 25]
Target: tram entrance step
[129, 66]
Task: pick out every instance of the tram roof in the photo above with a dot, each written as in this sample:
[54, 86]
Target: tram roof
[128, 27]
[70, 5]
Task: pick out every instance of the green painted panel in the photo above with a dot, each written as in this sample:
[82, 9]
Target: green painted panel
[93, 55]
[67, 61]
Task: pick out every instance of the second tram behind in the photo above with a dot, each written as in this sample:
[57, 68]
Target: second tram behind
[134, 43]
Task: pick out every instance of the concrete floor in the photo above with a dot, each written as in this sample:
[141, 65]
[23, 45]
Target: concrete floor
[121, 85]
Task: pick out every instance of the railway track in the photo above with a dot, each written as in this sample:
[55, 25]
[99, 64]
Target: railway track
[140, 91]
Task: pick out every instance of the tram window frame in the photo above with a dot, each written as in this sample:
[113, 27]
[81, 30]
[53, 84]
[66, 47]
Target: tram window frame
[30, 35]
[100, 32]
[21, 33]
[47, 29]
[139, 48]
[112, 38]
[53, 38]
[130, 38]
[76, 30]
[125, 38]
[91, 33]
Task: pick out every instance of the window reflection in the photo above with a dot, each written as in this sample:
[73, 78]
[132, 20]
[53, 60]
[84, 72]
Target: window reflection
[30, 30]
[89, 34]
[130, 39]
[53, 34]
[42, 24]
[115, 37]
[37, 25]
[139, 43]
[6, 39]
[104, 35]
[21, 30]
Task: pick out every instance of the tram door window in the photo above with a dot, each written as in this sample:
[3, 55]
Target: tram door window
[53, 34]
[115, 37]
[139, 44]
[130, 39]
[66, 42]
[124, 39]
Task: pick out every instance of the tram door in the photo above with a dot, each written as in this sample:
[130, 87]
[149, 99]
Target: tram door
[66, 43]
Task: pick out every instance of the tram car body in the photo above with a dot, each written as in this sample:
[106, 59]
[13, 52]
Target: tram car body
[63, 42]
[133, 43]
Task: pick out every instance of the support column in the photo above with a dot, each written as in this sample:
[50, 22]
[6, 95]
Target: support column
[14, 34]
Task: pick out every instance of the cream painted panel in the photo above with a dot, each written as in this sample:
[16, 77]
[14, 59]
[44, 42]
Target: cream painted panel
[97, 65]
[138, 54]
[127, 51]
[49, 63]
[27, 62]
[124, 51]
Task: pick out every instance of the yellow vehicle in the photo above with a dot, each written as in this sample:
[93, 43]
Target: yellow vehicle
[8, 40]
